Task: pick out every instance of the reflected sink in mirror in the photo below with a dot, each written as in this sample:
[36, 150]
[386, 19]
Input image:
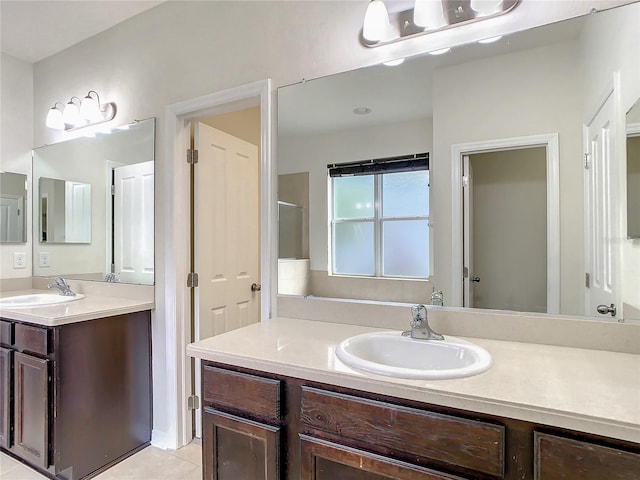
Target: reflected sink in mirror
[393, 355]
[37, 300]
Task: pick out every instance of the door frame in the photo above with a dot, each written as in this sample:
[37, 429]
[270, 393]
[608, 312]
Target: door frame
[172, 367]
[551, 143]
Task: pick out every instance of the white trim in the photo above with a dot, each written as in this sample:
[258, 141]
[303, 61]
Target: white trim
[633, 129]
[551, 143]
[175, 377]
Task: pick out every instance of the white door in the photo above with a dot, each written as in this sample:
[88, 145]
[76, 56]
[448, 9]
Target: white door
[227, 236]
[467, 201]
[11, 219]
[133, 223]
[602, 227]
[77, 212]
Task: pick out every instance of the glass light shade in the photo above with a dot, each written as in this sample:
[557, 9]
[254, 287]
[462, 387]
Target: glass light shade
[54, 119]
[71, 114]
[90, 110]
[486, 7]
[429, 14]
[376, 21]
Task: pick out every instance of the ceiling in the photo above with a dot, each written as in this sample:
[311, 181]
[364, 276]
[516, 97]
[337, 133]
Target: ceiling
[35, 29]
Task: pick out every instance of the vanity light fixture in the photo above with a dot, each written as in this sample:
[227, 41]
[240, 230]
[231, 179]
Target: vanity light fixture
[79, 114]
[395, 20]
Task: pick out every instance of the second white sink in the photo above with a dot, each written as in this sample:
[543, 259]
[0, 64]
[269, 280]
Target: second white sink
[391, 354]
[37, 300]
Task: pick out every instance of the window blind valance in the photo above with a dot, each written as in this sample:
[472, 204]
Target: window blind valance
[402, 163]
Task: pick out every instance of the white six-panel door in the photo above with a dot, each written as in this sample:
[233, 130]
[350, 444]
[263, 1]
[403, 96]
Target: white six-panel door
[227, 235]
[133, 223]
[602, 232]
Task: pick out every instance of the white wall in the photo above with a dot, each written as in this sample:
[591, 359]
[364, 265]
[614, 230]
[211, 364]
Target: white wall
[181, 50]
[16, 141]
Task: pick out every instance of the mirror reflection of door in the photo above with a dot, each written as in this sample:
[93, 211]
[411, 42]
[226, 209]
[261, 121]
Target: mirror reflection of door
[506, 230]
[133, 220]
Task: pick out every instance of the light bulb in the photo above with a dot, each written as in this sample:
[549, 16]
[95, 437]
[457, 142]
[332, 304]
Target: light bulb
[429, 14]
[486, 7]
[376, 21]
[54, 119]
[71, 114]
[90, 109]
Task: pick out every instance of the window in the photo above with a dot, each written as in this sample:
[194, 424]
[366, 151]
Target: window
[380, 217]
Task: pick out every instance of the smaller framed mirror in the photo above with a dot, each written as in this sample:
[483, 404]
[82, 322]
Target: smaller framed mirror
[65, 211]
[13, 207]
[633, 171]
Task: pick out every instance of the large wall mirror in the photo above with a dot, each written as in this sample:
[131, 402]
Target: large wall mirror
[94, 206]
[514, 109]
[13, 207]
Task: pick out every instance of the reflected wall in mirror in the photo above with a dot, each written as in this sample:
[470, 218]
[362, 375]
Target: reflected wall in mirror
[530, 89]
[633, 171]
[65, 211]
[13, 207]
[95, 206]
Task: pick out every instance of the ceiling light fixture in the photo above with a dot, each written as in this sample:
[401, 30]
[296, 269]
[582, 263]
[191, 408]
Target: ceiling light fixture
[399, 19]
[362, 110]
[80, 114]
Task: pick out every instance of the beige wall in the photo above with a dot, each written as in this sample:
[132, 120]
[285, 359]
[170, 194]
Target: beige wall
[633, 187]
[510, 230]
[535, 101]
[294, 188]
[16, 141]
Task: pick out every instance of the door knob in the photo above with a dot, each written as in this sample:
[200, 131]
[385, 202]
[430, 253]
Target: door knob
[603, 310]
[256, 287]
[475, 279]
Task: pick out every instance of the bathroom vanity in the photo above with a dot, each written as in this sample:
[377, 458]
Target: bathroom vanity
[76, 384]
[278, 404]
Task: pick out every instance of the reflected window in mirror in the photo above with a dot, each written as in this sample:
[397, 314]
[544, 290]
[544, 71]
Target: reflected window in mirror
[633, 171]
[13, 207]
[380, 217]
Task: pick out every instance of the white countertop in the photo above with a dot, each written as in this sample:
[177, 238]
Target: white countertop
[88, 308]
[590, 391]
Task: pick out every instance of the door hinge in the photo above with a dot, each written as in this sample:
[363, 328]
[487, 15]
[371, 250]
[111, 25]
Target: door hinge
[113, 189]
[192, 280]
[586, 161]
[193, 402]
[587, 280]
[192, 156]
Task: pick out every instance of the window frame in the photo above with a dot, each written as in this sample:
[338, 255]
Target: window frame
[378, 221]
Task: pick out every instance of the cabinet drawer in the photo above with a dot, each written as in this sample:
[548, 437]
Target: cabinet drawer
[565, 458]
[6, 333]
[405, 432]
[241, 392]
[32, 339]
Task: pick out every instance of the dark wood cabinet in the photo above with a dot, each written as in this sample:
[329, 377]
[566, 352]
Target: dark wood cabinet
[31, 409]
[76, 398]
[239, 448]
[260, 425]
[6, 397]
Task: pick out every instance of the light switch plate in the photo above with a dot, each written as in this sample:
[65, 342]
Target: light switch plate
[44, 259]
[19, 260]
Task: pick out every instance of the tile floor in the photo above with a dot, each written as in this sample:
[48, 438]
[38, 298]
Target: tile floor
[148, 464]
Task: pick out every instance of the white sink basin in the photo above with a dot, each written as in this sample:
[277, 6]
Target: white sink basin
[391, 354]
[37, 300]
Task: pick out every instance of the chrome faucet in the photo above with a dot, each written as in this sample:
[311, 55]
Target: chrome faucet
[111, 278]
[437, 298]
[62, 286]
[420, 326]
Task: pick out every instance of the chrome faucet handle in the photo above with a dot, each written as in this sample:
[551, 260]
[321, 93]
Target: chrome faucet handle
[420, 325]
[62, 286]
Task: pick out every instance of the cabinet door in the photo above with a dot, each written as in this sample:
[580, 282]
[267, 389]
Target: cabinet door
[236, 448]
[322, 460]
[31, 409]
[5, 397]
